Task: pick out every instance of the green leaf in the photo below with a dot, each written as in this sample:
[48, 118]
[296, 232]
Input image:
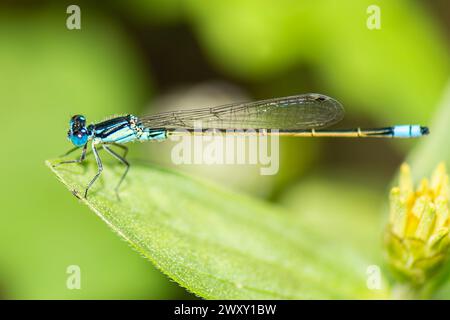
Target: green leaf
[216, 243]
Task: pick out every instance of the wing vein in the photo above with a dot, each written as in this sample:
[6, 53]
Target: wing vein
[307, 111]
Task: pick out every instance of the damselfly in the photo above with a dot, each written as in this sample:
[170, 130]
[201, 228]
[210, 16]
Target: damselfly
[303, 115]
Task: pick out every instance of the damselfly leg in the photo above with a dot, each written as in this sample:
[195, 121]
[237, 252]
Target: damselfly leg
[122, 160]
[124, 148]
[81, 159]
[84, 153]
[69, 152]
[99, 169]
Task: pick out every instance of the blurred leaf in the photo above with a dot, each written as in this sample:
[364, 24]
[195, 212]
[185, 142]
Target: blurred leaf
[434, 148]
[350, 215]
[382, 72]
[215, 243]
[252, 41]
[50, 73]
[154, 11]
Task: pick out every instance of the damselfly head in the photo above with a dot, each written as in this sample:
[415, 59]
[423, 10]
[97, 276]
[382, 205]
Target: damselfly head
[78, 134]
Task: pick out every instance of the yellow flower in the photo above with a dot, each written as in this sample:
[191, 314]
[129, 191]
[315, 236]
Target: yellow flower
[417, 238]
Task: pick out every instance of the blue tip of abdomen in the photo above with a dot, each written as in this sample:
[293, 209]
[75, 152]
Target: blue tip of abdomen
[409, 131]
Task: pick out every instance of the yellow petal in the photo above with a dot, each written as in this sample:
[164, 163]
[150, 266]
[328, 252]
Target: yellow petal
[442, 213]
[438, 177]
[405, 183]
[398, 213]
[426, 222]
[423, 188]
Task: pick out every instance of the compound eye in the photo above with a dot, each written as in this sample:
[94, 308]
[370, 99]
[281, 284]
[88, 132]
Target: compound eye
[79, 137]
[78, 121]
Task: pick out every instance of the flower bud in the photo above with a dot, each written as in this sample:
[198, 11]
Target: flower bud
[417, 237]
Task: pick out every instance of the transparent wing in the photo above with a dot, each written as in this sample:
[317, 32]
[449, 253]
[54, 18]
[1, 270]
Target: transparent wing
[307, 111]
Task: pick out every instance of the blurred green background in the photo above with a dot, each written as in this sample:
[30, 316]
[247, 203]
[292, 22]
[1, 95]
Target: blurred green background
[146, 56]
